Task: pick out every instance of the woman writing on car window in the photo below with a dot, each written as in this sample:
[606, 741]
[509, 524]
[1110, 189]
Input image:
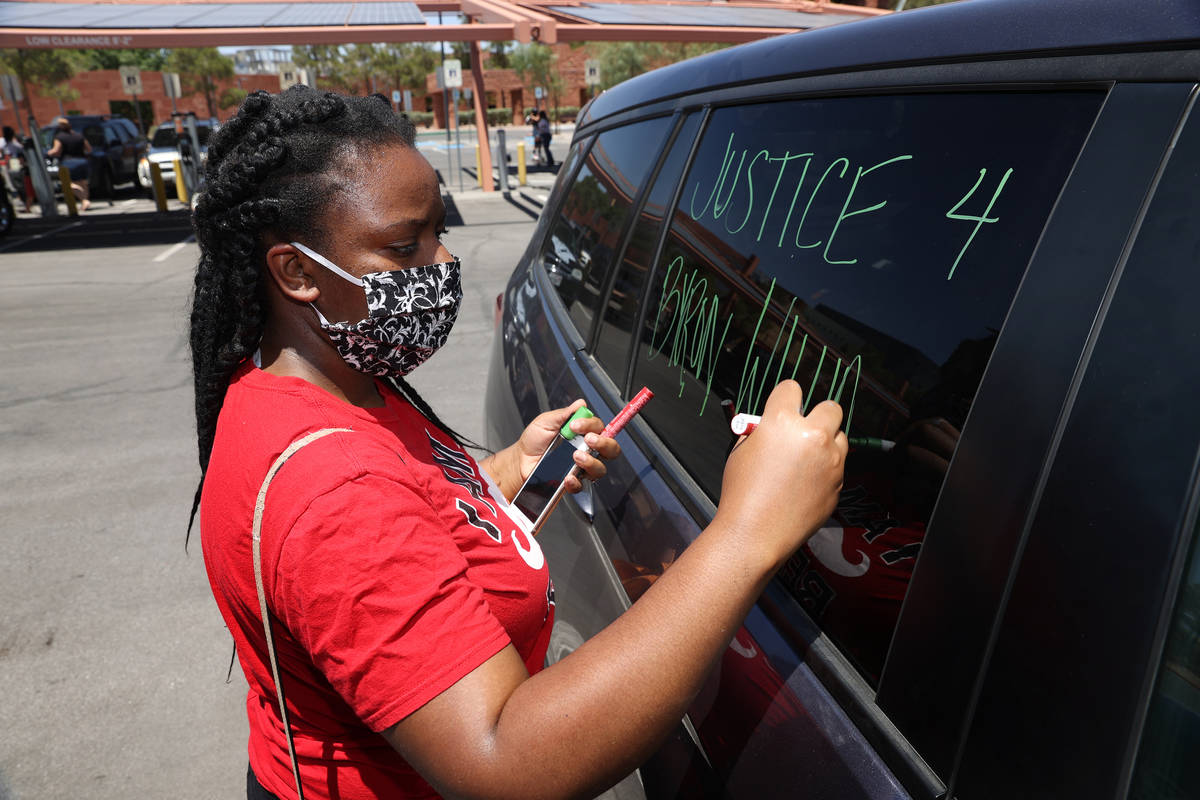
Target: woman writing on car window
[409, 614]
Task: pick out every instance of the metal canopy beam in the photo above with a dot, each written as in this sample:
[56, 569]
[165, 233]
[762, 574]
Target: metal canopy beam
[37, 25]
[33, 38]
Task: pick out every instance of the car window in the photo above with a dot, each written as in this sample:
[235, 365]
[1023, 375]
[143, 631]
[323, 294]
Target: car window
[112, 134]
[1167, 768]
[164, 137]
[580, 251]
[94, 134]
[869, 248]
[621, 310]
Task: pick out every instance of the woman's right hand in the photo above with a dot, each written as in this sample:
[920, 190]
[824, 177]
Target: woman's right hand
[782, 481]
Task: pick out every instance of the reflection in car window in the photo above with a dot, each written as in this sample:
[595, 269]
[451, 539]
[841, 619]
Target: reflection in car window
[1167, 767]
[579, 254]
[869, 248]
[621, 310]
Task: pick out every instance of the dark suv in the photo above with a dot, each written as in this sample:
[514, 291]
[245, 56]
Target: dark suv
[117, 147]
[977, 226]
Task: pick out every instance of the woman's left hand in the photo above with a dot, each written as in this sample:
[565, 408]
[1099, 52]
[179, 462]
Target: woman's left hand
[511, 467]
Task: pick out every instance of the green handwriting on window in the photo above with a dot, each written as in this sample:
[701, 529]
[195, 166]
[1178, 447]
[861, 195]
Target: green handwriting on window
[687, 329]
[772, 182]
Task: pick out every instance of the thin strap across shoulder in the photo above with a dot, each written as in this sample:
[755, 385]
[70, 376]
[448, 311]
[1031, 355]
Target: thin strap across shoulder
[256, 534]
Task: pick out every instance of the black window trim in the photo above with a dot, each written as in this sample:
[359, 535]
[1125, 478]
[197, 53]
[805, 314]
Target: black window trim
[628, 226]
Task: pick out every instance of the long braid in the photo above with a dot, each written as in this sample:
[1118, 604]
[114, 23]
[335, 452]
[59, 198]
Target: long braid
[267, 170]
[410, 394]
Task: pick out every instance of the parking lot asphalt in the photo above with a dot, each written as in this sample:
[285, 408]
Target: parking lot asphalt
[112, 653]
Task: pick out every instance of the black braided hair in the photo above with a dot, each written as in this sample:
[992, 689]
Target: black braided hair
[272, 168]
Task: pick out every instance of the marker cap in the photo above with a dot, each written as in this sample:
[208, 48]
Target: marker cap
[565, 431]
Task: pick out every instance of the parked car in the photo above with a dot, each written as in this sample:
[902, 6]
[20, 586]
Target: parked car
[977, 226]
[164, 149]
[117, 147]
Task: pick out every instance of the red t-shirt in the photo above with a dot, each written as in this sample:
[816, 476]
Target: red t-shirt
[390, 566]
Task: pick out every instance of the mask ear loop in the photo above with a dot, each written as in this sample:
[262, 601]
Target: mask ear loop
[329, 265]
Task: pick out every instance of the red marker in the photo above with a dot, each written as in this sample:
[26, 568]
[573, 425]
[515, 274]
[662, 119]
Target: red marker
[610, 430]
[627, 413]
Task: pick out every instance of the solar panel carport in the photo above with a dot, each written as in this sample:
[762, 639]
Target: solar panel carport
[146, 23]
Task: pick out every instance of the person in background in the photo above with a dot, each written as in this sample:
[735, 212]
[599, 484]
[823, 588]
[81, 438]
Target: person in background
[543, 137]
[73, 150]
[12, 155]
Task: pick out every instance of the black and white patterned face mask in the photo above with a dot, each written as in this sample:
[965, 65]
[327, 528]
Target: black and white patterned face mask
[409, 316]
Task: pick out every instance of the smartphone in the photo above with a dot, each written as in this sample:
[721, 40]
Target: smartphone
[542, 486]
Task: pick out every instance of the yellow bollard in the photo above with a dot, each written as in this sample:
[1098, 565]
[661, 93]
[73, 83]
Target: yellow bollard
[478, 168]
[521, 163]
[64, 177]
[160, 192]
[180, 186]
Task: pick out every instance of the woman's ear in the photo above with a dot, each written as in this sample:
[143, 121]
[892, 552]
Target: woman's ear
[287, 268]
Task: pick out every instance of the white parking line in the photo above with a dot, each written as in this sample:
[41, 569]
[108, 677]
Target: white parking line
[41, 235]
[173, 249]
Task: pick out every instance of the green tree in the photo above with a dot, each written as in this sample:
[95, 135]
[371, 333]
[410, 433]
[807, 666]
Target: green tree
[199, 70]
[498, 55]
[359, 65]
[620, 61]
[150, 60]
[537, 65]
[47, 70]
[405, 65]
[233, 96]
[61, 92]
[461, 51]
[325, 61]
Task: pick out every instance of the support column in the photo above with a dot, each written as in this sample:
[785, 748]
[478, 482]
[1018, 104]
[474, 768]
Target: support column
[481, 128]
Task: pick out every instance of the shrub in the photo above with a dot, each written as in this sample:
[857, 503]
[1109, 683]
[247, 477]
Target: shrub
[421, 118]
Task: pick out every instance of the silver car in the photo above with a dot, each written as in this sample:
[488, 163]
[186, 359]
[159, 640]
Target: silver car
[164, 150]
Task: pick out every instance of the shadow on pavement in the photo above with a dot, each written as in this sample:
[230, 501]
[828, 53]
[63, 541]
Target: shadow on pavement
[97, 231]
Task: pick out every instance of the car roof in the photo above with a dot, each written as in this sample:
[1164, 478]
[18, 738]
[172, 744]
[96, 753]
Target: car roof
[950, 32]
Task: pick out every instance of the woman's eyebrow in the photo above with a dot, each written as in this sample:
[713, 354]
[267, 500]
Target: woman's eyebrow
[404, 224]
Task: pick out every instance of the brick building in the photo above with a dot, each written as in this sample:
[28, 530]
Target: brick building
[506, 90]
[99, 90]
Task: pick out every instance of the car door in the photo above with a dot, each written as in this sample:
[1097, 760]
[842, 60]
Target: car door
[828, 688]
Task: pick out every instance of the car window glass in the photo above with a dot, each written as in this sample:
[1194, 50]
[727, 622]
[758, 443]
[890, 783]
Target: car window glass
[111, 135]
[868, 248]
[580, 251]
[164, 137]
[94, 134]
[620, 312]
[1167, 767]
